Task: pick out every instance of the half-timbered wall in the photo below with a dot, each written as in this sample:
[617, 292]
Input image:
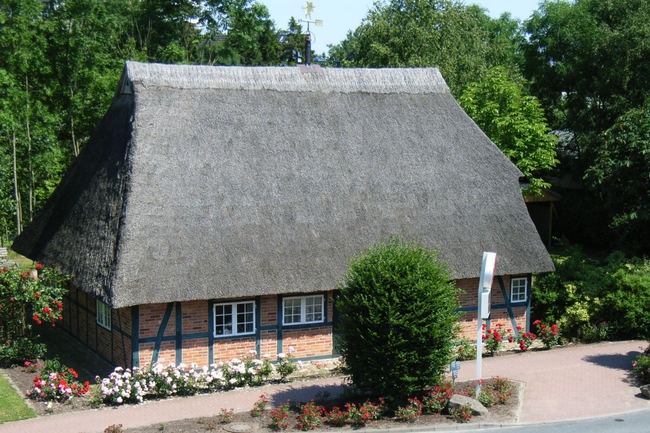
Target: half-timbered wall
[183, 332]
[80, 321]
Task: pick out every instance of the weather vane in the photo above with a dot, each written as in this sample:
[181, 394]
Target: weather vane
[309, 8]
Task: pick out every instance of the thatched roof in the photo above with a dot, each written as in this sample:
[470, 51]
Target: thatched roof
[218, 182]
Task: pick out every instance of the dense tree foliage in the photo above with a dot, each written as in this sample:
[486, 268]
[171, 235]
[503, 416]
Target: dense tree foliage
[462, 41]
[62, 60]
[514, 122]
[586, 61]
[397, 314]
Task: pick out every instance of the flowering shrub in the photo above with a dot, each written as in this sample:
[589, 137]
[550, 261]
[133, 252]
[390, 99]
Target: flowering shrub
[58, 386]
[550, 335]
[336, 417]
[309, 417]
[285, 367]
[260, 406]
[501, 388]
[27, 299]
[248, 371]
[115, 428]
[159, 380]
[525, 340]
[461, 413]
[641, 366]
[410, 412]
[492, 339]
[487, 398]
[279, 417]
[436, 399]
[227, 415]
[465, 350]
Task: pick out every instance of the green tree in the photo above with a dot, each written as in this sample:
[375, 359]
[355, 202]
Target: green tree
[86, 51]
[242, 33]
[397, 315]
[621, 173]
[27, 122]
[462, 41]
[292, 41]
[584, 60]
[514, 122]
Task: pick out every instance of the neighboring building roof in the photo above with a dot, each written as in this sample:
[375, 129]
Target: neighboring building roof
[218, 182]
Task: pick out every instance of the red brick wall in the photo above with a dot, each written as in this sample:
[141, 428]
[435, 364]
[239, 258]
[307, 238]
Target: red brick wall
[226, 349]
[308, 342]
[79, 320]
[469, 298]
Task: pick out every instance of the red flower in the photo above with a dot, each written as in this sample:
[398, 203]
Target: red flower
[46, 310]
[518, 327]
[537, 322]
[39, 322]
[60, 317]
[510, 339]
[12, 299]
[35, 317]
[37, 294]
[59, 304]
[39, 266]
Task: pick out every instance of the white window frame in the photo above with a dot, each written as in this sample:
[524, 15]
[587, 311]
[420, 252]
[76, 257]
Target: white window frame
[103, 313]
[300, 306]
[515, 284]
[234, 324]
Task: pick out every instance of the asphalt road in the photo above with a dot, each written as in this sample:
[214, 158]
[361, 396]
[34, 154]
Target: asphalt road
[634, 422]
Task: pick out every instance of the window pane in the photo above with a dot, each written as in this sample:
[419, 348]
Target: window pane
[314, 309]
[245, 318]
[292, 310]
[223, 319]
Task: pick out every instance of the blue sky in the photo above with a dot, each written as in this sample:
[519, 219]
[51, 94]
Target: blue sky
[339, 16]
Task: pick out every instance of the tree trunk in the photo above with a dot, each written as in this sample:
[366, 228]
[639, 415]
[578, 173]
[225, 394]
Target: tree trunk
[29, 153]
[19, 218]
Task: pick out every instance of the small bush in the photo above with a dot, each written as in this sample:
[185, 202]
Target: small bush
[336, 417]
[465, 350]
[436, 399]
[397, 317]
[115, 428]
[641, 367]
[227, 415]
[462, 413]
[280, 417]
[260, 406]
[410, 412]
[549, 335]
[309, 417]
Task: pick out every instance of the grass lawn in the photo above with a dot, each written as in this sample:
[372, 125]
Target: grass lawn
[12, 406]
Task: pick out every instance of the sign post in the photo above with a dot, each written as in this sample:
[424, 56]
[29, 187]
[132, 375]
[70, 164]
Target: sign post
[483, 310]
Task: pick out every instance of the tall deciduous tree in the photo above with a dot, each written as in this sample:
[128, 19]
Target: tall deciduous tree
[586, 61]
[243, 33]
[26, 120]
[514, 122]
[621, 173]
[418, 33]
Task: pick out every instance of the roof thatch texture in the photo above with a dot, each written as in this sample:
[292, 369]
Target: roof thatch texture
[219, 182]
